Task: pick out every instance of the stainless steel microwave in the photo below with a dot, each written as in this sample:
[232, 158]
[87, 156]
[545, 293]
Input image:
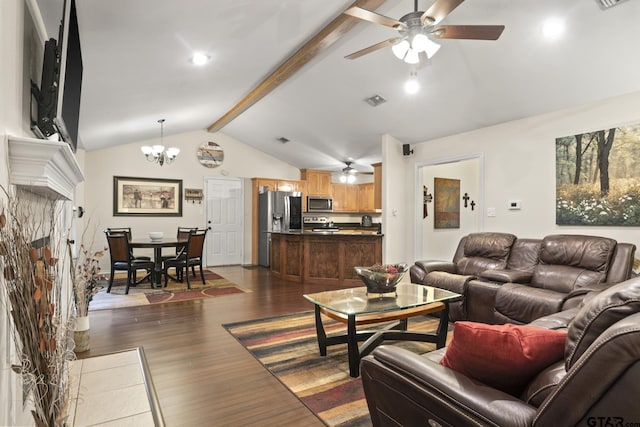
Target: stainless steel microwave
[319, 204]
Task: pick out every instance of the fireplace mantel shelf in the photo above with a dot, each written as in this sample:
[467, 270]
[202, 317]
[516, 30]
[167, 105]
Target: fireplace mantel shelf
[48, 168]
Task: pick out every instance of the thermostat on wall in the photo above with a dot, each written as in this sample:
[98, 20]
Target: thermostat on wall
[515, 204]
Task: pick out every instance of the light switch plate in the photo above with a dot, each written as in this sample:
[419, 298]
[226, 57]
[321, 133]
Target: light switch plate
[491, 211]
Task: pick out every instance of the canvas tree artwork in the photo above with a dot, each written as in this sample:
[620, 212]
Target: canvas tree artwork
[598, 177]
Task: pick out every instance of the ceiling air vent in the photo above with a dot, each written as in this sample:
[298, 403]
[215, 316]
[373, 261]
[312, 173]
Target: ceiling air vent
[283, 139]
[375, 100]
[605, 4]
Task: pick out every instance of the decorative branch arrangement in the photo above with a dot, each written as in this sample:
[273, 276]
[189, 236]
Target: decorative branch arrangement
[84, 275]
[31, 287]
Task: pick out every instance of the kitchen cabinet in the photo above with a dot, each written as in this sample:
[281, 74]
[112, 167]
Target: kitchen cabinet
[345, 197]
[366, 197]
[318, 182]
[323, 258]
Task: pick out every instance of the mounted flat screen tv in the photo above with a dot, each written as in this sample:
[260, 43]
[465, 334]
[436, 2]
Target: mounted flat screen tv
[61, 84]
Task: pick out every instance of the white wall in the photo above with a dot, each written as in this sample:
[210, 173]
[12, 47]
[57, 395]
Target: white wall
[436, 241]
[240, 160]
[519, 163]
[397, 203]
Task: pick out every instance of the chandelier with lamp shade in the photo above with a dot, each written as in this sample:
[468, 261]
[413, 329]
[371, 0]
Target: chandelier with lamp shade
[158, 153]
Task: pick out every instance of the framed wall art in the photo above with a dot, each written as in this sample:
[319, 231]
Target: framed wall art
[146, 196]
[446, 209]
[598, 177]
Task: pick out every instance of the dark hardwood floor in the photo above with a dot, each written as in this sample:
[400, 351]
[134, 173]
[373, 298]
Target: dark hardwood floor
[202, 375]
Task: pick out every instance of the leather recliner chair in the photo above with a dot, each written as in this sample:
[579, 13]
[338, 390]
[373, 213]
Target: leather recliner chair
[599, 376]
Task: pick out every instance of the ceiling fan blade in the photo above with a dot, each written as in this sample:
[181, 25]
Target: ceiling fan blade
[470, 32]
[439, 10]
[376, 18]
[373, 48]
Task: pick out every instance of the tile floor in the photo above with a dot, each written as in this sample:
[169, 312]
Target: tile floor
[111, 390]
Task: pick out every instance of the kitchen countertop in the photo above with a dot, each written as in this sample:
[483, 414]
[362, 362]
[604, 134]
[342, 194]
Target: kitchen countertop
[330, 233]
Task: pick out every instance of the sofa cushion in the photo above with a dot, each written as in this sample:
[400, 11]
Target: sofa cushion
[523, 304]
[567, 262]
[505, 357]
[598, 313]
[484, 251]
[524, 255]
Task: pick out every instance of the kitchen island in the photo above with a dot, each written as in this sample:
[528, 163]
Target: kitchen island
[324, 257]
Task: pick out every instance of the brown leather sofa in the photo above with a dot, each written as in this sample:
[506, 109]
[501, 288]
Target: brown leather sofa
[598, 377]
[504, 279]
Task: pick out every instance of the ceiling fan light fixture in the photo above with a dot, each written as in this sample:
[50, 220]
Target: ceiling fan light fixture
[412, 57]
[431, 48]
[400, 49]
[351, 178]
[343, 178]
[419, 42]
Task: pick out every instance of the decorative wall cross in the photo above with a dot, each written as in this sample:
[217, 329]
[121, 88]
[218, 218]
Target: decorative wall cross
[473, 204]
[426, 198]
[466, 199]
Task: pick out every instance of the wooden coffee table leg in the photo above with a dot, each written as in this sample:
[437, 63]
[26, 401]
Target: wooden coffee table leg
[322, 336]
[352, 346]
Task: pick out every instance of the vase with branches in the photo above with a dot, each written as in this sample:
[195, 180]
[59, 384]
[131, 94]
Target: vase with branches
[32, 289]
[85, 270]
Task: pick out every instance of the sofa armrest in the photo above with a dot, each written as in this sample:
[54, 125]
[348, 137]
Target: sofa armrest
[507, 276]
[434, 265]
[411, 390]
[576, 296]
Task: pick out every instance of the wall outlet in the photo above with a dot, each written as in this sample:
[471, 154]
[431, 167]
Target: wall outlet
[491, 211]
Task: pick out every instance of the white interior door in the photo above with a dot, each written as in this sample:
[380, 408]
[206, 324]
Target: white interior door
[224, 198]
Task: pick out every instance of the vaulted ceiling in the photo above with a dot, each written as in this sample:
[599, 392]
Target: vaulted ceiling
[137, 70]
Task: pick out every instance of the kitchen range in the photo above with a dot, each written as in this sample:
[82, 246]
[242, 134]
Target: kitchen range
[319, 224]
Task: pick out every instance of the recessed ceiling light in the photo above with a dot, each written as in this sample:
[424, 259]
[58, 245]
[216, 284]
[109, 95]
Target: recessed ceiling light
[412, 86]
[199, 58]
[553, 28]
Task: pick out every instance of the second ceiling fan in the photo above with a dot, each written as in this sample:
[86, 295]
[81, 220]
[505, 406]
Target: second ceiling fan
[417, 28]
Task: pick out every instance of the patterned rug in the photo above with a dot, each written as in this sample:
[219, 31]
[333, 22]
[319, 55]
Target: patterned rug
[144, 294]
[287, 347]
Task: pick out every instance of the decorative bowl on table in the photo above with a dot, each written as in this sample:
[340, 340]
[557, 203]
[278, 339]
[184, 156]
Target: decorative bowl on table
[156, 236]
[381, 279]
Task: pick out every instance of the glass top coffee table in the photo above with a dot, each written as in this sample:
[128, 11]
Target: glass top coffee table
[354, 307]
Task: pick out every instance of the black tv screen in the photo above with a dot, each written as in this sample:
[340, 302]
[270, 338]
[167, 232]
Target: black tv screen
[70, 77]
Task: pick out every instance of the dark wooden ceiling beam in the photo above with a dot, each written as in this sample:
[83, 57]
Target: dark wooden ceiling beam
[321, 41]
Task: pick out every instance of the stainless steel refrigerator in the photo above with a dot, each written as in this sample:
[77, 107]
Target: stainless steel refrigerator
[279, 211]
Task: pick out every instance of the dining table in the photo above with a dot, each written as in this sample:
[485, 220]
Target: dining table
[157, 245]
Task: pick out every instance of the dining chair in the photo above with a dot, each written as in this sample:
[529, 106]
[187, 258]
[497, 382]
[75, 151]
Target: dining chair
[127, 231]
[182, 234]
[189, 256]
[119, 252]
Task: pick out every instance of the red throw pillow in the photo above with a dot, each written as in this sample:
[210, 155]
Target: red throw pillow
[505, 357]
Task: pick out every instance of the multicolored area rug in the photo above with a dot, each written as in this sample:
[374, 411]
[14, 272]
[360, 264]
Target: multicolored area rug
[144, 294]
[287, 347]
